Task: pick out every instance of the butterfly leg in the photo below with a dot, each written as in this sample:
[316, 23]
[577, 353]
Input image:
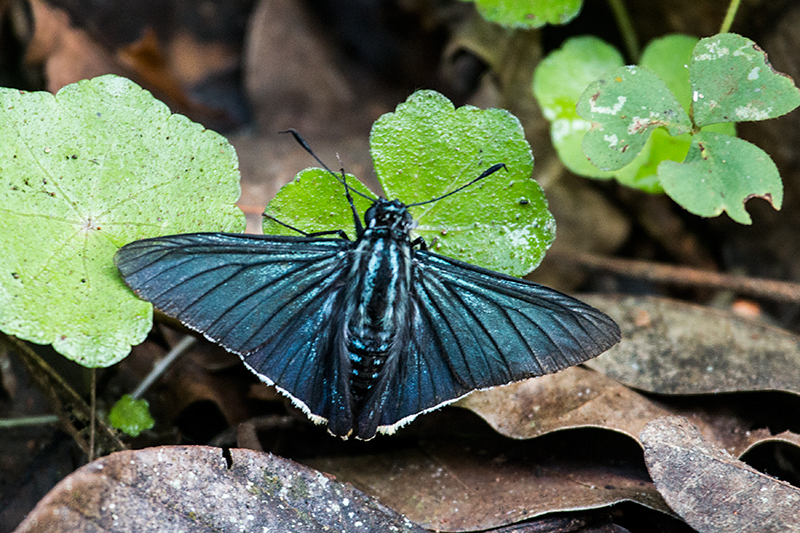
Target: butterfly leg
[419, 241]
[338, 232]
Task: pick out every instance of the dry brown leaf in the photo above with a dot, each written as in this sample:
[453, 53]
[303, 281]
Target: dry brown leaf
[192, 489]
[670, 347]
[458, 484]
[575, 397]
[711, 490]
[579, 398]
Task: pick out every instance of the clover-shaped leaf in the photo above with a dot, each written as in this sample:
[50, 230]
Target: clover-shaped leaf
[527, 14]
[730, 172]
[728, 80]
[561, 78]
[426, 149]
[98, 165]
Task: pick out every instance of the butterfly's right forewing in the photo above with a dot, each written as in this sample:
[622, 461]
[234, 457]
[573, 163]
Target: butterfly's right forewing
[272, 300]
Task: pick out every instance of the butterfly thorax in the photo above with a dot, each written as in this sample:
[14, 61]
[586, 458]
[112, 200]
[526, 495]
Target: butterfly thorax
[377, 298]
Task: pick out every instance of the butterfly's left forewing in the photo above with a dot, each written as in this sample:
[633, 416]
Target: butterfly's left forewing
[472, 328]
[272, 300]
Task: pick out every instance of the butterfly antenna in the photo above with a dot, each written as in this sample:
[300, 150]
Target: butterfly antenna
[486, 173]
[302, 142]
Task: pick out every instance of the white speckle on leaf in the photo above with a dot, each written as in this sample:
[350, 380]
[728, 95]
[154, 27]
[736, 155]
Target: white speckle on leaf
[519, 237]
[751, 112]
[753, 75]
[715, 51]
[608, 110]
[612, 140]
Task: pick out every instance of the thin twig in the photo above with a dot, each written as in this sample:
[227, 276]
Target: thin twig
[184, 344]
[688, 277]
[23, 421]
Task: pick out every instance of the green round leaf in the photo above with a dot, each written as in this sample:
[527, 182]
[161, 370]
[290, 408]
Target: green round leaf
[528, 13]
[315, 201]
[624, 107]
[427, 148]
[98, 165]
[732, 81]
[720, 174]
[558, 82]
[131, 416]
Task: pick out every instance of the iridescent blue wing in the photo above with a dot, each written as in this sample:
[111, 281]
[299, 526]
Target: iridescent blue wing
[471, 328]
[274, 301]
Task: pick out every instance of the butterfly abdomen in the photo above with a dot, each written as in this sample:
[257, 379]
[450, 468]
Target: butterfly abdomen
[378, 298]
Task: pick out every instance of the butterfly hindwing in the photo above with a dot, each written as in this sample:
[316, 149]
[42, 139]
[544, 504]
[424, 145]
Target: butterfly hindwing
[272, 300]
[473, 329]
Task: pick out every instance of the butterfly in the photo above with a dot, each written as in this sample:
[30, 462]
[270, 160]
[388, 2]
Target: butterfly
[364, 335]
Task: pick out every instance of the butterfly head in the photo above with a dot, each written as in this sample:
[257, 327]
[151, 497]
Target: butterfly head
[392, 214]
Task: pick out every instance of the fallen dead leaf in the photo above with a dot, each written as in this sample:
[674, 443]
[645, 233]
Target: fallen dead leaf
[710, 489]
[581, 398]
[689, 349]
[196, 489]
[467, 484]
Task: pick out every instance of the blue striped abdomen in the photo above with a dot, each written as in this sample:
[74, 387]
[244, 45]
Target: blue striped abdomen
[377, 302]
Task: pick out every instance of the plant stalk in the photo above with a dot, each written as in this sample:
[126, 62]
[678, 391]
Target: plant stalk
[626, 29]
[729, 16]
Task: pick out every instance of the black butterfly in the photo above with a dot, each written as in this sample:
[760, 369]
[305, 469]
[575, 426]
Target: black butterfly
[364, 335]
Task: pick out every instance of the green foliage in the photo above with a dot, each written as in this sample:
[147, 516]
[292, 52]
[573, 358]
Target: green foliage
[131, 416]
[563, 75]
[661, 126]
[528, 13]
[313, 202]
[425, 149]
[98, 165]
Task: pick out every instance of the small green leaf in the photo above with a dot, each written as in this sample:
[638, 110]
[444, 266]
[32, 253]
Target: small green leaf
[624, 107]
[98, 165]
[558, 82]
[423, 150]
[527, 13]
[732, 81]
[427, 148]
[720, 174]
[315, 202]
[131, 416]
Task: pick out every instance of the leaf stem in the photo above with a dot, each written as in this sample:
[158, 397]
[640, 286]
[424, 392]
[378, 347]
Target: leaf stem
[729, 16]
[626, 28]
